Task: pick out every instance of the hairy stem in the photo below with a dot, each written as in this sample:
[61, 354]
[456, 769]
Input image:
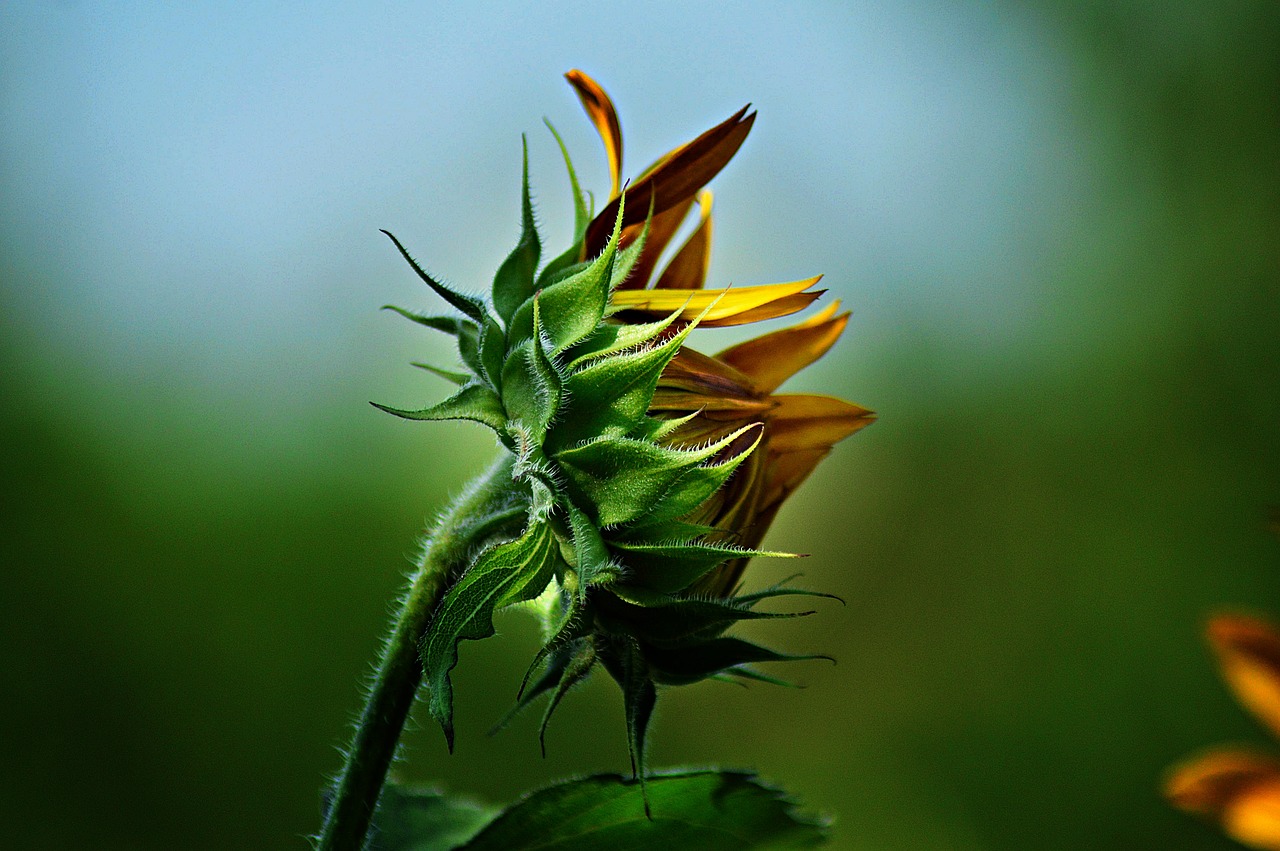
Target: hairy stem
[488, 508]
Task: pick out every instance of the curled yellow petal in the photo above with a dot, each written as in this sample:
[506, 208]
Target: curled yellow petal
[727, 307]
[1208, 783]
[688, 269]
[600, 110]
[773, 358]
[1248, 651]
[675, 178]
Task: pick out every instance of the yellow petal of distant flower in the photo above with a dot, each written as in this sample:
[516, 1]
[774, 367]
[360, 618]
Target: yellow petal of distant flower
[679, 177]
[600, 109]
[773, 358]
[1253, 817]
[1208, 783]
[727, 307]
[688, 269]
[1248, 651]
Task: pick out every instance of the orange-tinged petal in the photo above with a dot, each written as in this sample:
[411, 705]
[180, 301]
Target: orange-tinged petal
[812, 422]
[1248, 651]
[1209, 782]
[678, 177]
[773, 310]
[725, 305]
[773, 358]
[662, 227]
[688, 269]
[1254, 816]
[602, 114]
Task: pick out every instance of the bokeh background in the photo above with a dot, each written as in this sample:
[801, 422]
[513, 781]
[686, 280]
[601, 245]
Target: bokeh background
[1055, 222]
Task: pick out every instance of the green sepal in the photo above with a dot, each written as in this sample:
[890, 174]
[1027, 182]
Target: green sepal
[677, 621]
[683, 665]
[593, 565]
[470, 306]
[611, 338]
[465, 330]
[581, 218]
[610, 395]
[671, 566]
[627, 257]
[626, 664]
[531, 385]
[474, 402]
[582, 658]
[513, 283]
[574, 306]
[628, 479]
[458, 378]
[492, 352]
[447, 324]
[508, 573]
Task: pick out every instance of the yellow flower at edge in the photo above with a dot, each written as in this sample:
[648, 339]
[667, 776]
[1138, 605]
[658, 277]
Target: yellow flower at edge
[1239, 787]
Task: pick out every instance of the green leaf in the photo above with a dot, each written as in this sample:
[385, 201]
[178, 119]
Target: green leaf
[612, 338]
[582, 659]
[514, 281]
[509, 573]
[704, 810]
[418, 818]
[593, 565]
[474, 402]
[573, 307]
[470, 306]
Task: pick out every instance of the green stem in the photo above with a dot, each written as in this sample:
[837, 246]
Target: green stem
[486, 509]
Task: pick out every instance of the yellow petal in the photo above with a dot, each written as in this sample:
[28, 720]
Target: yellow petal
[773, 310]
[662, 227]
[773, 358]
[1254, 816]
[729, 305]
[1208, 783]
[811, 422]
[602, 114]
[688, 269]
[1248, 651]
[680, 176]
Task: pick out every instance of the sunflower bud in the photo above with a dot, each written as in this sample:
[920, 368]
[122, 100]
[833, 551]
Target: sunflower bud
[649, 472]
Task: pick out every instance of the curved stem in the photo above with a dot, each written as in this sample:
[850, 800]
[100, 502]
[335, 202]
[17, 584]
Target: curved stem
[486, 509]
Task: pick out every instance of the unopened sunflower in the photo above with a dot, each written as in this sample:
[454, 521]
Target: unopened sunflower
[638, 476]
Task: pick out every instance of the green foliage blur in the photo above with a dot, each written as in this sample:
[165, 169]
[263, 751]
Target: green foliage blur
[204, 523]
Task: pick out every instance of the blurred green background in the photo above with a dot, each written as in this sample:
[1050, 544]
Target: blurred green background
[1056, 224]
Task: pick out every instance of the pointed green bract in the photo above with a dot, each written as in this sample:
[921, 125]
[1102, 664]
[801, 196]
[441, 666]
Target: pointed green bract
[474, 402]
[470, 306]
[682, 665]
[513, 283]
[573, 307]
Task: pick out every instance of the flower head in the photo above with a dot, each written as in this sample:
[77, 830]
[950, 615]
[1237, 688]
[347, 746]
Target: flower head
[1239, 787]
[649, 472]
